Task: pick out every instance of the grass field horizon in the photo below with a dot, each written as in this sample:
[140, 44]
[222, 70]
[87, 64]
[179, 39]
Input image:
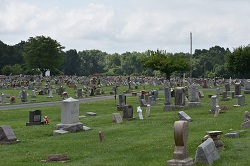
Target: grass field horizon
[136, 142]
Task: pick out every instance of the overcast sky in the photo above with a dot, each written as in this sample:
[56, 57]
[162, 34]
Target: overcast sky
[128, 25]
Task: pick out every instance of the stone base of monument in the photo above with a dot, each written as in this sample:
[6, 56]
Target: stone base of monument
[70, 127]
[167, 108]
[34, 123]
[184, 162]
[194, 104]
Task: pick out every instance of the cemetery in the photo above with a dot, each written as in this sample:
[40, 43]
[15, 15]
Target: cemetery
[156, 123]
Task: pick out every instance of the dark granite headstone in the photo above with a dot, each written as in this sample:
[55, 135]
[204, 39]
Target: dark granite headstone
[128, 112]
[35, 118]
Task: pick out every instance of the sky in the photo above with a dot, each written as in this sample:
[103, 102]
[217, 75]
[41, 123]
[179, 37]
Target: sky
[117, 26]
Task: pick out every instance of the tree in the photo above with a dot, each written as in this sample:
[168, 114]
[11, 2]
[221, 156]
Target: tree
[42, 53]
[72, 63]
[238, 61]
[165, 62]
[7, 70]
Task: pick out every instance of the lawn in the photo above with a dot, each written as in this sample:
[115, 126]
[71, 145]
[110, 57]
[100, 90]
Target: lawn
[136, 142]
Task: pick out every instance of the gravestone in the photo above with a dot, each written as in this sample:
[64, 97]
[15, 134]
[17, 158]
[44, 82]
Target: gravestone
[7, 135]
[214, 103]
[151, 100]
[183, 116]
[70, 116]
[128, 113]
[168, 106]
[207, 152]
[116, 118]
[180, 150]
[33, 94]
[35, 117]
[247, 88]
[79, 93]
[194, 96]
[148, 110]
[50, 93]
[168, 99]
[217, 92]
[122, 102]
[215, 135]
[180, 96]
[237, 89]
[24, 96]
[227, 87]
[224, 96]
[3, 101]
[241, 101]
[246, 123]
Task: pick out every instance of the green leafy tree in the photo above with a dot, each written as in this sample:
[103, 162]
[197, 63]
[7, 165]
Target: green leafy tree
[43, 53]
[72, 63]
[238, 60]
[7, 70]
[165, 62]
[17, 69]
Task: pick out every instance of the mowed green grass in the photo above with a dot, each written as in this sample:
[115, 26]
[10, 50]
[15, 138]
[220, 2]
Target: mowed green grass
[136, 142]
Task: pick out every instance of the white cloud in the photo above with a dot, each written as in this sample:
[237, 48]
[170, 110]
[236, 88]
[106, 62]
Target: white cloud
[119, 26]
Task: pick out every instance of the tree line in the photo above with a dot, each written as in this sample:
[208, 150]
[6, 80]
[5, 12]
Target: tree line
[41, 53]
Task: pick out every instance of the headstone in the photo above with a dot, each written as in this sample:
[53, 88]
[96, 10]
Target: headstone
[183, 116]
[122, 102]
[180, 96]
[180, 150]
[214, 103]
[7, 135]
[148, 110]
[139, 110]
[217, 92]
[246, 123]
[116, 118]
[3, 101]
[79, 93]
[232, 135]
[151, 100]
[24, 96]
[206, 152]
[101, 136]
[241, 100]
[50, 93]
[35, 118]
[215, 135]
[70, 116]
[224, 96]
[205, 84]
[33, 94]
[227, 87]
[128, 113]
[194, 96]
[237, 89]
[168, 99]
[247, 88]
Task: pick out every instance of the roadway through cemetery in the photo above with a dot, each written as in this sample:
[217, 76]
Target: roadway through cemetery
[44, 104]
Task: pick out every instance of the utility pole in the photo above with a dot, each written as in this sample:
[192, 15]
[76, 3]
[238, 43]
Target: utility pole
[190, 55]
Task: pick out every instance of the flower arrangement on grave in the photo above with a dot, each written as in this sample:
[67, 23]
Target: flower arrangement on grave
[46, 120]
